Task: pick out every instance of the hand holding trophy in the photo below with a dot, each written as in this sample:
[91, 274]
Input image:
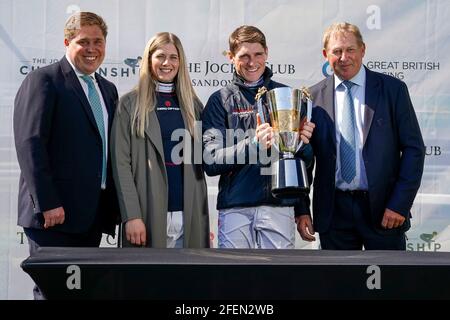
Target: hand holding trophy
[286, 110]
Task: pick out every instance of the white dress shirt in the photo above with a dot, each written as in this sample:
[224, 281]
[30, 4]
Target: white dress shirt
[86, 92]
[358, 95]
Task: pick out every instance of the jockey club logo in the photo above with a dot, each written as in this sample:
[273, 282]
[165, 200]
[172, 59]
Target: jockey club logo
[133, 62]
[110, 69]
[425, 242]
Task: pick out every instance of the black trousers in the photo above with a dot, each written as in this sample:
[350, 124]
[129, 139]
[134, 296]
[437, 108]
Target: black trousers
[52, 238]
[352, 227]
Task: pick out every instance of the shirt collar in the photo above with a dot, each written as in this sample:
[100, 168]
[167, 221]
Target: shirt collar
[359, 79]
[77, 72]
[253, 84]
[165, 87]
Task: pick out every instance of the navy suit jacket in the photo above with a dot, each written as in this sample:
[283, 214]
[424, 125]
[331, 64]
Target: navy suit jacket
[59, 150]
[393, 150]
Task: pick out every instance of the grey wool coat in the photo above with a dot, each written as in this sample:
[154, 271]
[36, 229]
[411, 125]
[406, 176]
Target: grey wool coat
[141, 179]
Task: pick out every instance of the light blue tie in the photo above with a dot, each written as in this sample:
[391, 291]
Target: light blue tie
[347, 145]
[96, 106]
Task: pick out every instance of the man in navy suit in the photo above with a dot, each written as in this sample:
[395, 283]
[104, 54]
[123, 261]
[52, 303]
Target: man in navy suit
[62, 116]
[368, 149]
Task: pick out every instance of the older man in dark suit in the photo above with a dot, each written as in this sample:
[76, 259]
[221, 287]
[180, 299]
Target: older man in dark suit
[62, 116]
[368, 149]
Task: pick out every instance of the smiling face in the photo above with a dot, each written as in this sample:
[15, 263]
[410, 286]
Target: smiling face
[165, 63]
[344, 54]
[249, 60]
[86, 50]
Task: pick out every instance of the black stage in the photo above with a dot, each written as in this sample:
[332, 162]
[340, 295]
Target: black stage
[213, 274]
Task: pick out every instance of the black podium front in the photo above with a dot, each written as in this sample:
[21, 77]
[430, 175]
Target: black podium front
[210, 274]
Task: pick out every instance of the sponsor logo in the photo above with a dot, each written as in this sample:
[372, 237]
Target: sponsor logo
[400, 69]
[207, 73]
[397, 69]
[133, 63]
[210, 73]
[109, 69]
[426, 242]
[326, 70]
[433, 151]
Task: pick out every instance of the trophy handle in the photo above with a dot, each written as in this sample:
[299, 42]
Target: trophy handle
[262, 115]
[259, 105]
[308, 118]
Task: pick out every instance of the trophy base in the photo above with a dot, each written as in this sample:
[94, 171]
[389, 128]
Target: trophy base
[289, 178]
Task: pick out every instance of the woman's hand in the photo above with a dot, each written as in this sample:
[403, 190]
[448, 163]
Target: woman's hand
[136, 232]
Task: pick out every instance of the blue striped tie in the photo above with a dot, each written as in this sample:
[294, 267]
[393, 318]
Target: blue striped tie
[347, 145]
[96, 106]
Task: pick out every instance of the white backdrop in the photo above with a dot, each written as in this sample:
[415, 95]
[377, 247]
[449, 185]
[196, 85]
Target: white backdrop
[408, 39]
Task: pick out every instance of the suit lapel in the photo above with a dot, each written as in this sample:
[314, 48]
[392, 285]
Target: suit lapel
[326, 101]
[74, 84]
[372, 94]
[188, 197]
[189, 179]
[153, 131]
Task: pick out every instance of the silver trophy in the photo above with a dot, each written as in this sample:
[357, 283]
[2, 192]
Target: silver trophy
[286, 109]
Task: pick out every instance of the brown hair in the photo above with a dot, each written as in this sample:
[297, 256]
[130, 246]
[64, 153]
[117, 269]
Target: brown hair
[246, 34]
[80, 19]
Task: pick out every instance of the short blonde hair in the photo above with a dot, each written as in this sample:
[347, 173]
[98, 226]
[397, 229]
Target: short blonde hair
[80, 19]
[342, 27]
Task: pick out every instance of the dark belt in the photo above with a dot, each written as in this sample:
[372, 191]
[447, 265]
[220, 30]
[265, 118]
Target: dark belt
[354, 193]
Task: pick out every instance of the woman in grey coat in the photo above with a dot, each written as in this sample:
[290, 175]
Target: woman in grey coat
[162, 192]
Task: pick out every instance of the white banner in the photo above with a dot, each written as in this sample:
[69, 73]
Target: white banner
[407, 39]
